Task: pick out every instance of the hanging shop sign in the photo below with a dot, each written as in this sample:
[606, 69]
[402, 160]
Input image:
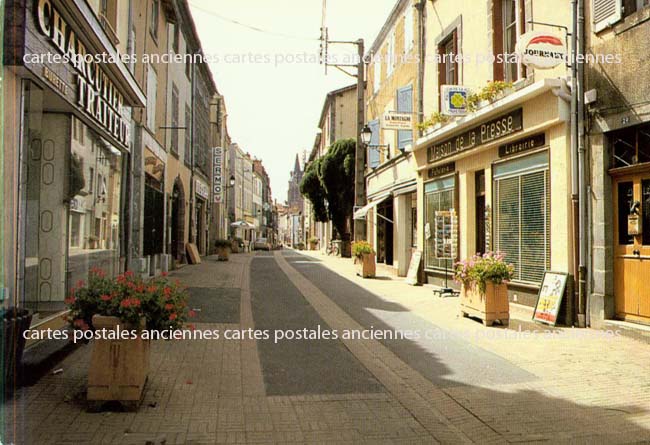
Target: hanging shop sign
[217, 167]
[394, 120]
[454, 100]
[202, 189]
[95, 96]
[441, 170]
[550, 296]
[541, 50]
[487, 132]
[521, 145]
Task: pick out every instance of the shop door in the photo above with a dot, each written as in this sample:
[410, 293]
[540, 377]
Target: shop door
[632, 247]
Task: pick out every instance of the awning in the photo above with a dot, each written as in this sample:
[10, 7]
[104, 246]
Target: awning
[363, 211]
[243, 225]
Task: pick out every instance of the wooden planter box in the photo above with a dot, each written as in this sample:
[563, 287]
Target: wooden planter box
[222, 253]
[366, 266]
[491, 306]
[118, 368]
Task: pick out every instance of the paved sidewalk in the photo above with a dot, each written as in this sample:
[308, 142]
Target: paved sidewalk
[589, 389]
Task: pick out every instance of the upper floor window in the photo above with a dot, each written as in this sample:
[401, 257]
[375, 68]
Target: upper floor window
[377, 73]
[508, 23]
[448, 62]
[155, 12]
[632, 6]
[175, 112]
[175, 36]
[390, 54]
[152, 89]
[408, 29]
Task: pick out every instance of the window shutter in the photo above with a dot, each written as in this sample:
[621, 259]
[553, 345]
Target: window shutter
[373, 150]
[606, 13]
[404, 104]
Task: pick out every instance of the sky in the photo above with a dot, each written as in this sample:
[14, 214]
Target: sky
[273, 85]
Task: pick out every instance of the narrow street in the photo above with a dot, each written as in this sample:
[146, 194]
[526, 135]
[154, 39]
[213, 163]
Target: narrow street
[450, 390]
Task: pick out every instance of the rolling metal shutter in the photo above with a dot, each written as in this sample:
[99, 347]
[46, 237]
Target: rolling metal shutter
[522, 216]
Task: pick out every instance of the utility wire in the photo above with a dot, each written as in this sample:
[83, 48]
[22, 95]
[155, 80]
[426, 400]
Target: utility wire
[253, 28]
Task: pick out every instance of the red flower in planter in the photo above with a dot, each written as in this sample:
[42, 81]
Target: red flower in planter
[173, 317]
[169, 307]
[121, 279]
[128, 273]
[191, 314]
[140, 288]
[81, 324]
[152, 289]
[191, 327]
[164, 274]
[106, 297]
[70, 300]
[135, 302]
[80, 283]
[125, 303]
[97, 272]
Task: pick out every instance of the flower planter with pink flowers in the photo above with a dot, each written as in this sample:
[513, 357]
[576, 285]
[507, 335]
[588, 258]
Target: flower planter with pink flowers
[484, 292]
[118, 315]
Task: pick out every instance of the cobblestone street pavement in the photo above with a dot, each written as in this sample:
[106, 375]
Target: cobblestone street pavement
[473, 389]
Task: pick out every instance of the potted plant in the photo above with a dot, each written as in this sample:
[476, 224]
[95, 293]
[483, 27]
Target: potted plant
[484, 293]
[313, 243]
[120, 315]
[236, 244]
[223, 247]
[365, 259]
[93, 241]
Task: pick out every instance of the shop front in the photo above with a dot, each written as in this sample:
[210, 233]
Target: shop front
[499, 180]
[390, 214]
[69, 120]
[630, 197]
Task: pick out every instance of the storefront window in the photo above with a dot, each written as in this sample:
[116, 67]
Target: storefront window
[522, 215]
[630, 146]
[414, 220]
[69, 225]
[438, 195]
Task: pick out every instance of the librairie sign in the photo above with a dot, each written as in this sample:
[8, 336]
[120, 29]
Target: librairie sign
[394, 120]
[541, 50]
[487, 132]
[97, 96]
[521, 145]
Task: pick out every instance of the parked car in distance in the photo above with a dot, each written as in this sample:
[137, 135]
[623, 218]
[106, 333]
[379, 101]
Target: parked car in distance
[261, 244]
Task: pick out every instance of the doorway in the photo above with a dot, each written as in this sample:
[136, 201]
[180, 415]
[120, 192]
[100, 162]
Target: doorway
[385, 232]
[632, 247]
[178, 221]
[479, 184]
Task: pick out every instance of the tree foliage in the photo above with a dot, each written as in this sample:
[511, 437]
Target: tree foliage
[328, 183]
[337, 178]
[312, 188]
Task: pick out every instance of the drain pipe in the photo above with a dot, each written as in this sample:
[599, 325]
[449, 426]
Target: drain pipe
[582, 171]
[574, 158]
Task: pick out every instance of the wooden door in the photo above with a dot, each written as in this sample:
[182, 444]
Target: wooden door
[632, 251]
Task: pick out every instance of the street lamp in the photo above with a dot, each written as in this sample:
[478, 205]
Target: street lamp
[232, 180]
[366, 135]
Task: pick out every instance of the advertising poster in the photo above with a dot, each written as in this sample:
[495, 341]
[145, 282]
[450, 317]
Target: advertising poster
[550, 298]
